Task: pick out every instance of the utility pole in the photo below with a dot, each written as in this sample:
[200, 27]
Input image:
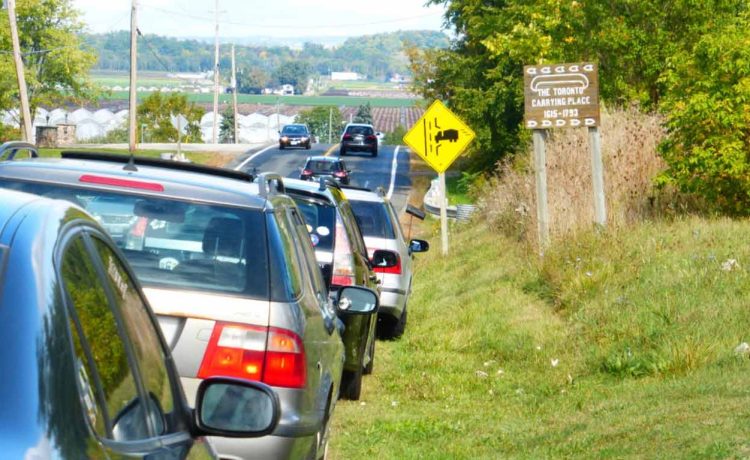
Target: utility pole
[234, 100]
[132, 107]
[25, 111]
[330, 124]
[216, 74]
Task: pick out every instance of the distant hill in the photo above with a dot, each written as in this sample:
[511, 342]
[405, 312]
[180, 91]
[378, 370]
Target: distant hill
[376, 56]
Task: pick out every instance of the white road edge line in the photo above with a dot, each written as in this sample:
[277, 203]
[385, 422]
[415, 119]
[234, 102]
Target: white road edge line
[394, 167]
[251, 157]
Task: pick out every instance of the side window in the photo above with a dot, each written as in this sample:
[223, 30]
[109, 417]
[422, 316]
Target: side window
[142, 332]
[307, 255]
[283, 257]
[108, 386]
[355, 235]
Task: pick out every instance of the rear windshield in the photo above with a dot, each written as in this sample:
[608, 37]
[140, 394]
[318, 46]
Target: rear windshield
[364, 130]
[172, 243]
[320, 218]
[373, 219]
[294, 129]
[323, 166]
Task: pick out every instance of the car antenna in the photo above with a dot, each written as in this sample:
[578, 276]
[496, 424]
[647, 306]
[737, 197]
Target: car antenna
[130, 166]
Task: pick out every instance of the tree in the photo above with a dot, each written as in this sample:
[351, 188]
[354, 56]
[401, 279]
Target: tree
[293, 73]
[56, 62]
[156, 112]
[226, 127]
[317, 120]
[252, 80]
[480, 75]
[708, 118]
[364, 114]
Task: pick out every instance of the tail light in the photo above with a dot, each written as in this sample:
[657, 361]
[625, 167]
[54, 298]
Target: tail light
[307, 172]
[340, 174]
[347, 137]
[371, 137]
[267, 354]
[395, 270]
[343, 259]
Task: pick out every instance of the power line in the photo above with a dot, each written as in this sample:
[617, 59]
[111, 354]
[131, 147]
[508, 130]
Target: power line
[153, 51]
[295, 27]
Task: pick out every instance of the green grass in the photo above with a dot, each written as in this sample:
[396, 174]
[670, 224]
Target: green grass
[642, 322]
[269, 99]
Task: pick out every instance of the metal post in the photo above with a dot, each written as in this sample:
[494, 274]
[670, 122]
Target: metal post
[330, 125]
[214, 137]
[132, 106]
[597, 172]
[143, 133]
[179, 136]
[234, 100]
[443, 214]
[27, 135]
[540, 167]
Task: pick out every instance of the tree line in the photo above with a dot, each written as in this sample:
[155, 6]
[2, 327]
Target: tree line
[688, 60]
[375, 56]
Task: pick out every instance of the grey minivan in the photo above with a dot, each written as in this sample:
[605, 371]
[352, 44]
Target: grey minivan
[228, 267]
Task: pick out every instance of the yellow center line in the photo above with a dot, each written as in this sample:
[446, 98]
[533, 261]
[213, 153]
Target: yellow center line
[330, 151]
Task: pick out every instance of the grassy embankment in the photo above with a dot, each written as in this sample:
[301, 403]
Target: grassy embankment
[615, 345]
[619, 343]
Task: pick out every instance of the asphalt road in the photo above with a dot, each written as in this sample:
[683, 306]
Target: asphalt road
[368, 172]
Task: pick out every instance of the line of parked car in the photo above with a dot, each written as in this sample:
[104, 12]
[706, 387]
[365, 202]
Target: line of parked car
[149, 287]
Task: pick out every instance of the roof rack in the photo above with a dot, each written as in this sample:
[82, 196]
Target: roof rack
[159, 163]
[353, 187]
[265, 181]
[13, 147]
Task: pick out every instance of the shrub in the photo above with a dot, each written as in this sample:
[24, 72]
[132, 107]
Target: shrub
[708, 120]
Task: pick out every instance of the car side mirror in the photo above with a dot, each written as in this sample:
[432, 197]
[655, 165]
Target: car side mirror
[419, 246]
[384, 259]
[236, 408]
[356, 300]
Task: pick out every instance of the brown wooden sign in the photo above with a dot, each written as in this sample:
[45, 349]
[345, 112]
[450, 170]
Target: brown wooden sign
[561, 96]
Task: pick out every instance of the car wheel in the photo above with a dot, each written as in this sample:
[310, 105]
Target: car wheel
[369, 368]
[281, 146]
[308, 146]
[316, 453]
[342, 151]
[393, 328]
[351, 384]
[375, 152]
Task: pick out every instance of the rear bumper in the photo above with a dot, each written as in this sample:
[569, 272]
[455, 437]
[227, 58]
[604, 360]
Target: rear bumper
[355, 146]
[392, 302]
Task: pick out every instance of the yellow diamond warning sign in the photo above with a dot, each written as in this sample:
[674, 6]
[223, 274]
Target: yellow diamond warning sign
[439, 137]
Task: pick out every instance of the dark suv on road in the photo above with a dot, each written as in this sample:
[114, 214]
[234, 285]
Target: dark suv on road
[359, 137]
[228, 267]
[86, 372]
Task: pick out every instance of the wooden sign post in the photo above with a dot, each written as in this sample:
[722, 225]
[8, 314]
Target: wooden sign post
[563, 96]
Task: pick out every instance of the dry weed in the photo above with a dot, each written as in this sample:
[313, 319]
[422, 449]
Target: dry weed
[629, 142]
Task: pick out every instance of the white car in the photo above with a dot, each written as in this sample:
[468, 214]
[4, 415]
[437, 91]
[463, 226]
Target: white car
[381, 229]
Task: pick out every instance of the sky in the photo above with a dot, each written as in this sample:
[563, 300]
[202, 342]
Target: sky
[262, 18]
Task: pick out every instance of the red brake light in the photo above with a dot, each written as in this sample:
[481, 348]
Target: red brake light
[395, 270]
[347, 137]
[343, 259]
[117, 182]
[271, 355]
[307, 172]
[340, 174]
[371, 137]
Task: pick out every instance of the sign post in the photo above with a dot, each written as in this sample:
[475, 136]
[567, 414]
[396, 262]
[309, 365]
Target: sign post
[439, 137]
[563, 96]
